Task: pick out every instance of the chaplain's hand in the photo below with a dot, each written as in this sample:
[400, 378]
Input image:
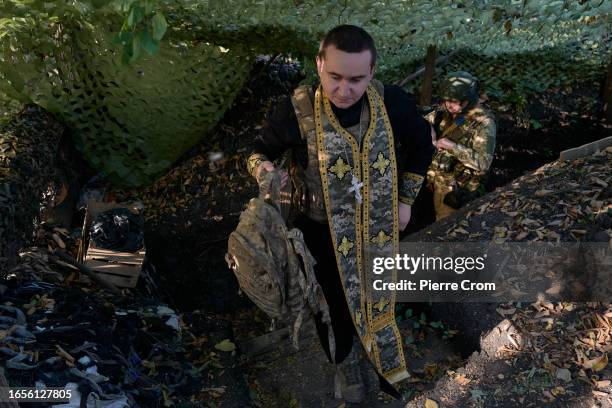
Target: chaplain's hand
[268, 166]
[405, 211]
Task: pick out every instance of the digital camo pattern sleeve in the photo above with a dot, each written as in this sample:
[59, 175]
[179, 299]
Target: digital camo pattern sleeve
[279, 132]
[413, 138]
[479, 155]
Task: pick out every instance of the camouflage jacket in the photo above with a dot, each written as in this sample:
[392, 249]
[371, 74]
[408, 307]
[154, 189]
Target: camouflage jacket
[474, 138]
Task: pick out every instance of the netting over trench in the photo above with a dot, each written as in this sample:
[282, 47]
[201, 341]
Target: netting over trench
[133, 121]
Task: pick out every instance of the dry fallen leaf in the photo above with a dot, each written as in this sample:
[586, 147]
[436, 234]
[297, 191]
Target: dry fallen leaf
[543, 193]
[504, 312]
[462, 379]
[596, 364]
[429, 403]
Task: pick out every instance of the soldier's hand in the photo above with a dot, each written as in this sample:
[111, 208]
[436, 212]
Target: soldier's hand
[405, 212]
[445, 144]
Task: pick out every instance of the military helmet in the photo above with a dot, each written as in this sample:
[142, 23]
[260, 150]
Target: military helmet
[461, 86]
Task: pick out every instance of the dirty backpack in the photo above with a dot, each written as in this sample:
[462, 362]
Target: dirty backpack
[272, 263]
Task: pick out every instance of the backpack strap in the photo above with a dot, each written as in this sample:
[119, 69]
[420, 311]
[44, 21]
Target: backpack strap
[303, 104]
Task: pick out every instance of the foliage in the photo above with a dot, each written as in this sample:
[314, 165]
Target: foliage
[184, 60]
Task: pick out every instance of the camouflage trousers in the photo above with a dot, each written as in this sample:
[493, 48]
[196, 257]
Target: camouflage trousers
[442, 185]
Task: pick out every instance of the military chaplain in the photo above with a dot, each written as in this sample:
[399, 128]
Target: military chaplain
[465, 142]
[362, 152]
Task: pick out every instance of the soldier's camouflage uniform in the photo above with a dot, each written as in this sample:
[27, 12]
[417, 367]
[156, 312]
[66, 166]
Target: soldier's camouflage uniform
[466, 166]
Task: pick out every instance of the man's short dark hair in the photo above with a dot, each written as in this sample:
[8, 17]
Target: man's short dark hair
[348, 38]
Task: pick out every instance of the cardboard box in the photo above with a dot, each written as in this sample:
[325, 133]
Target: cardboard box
[122, 269]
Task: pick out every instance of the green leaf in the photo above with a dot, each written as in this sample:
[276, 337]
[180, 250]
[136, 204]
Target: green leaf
[159, 25]
[436, 325]
[148, 6]
[225, 345]
[535, 124]
[423, 318]
[136, 48]
[135, 16]
[123, 37]
[149, 44]
[127, 54]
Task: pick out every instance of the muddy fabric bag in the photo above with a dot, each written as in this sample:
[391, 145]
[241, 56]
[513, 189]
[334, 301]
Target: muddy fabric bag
[272, 263]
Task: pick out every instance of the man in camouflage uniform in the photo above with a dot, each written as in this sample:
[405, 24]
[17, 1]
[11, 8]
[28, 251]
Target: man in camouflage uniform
[465, 144]
[362, 151]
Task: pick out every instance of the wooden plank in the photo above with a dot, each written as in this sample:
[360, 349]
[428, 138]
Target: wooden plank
[118, 281]
[64, 256]
[113, 267]
[264, 343]
[273, 340]
[135, 258]
[125, 276]
[586, 150]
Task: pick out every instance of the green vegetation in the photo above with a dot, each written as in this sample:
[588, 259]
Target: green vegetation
[141, 81]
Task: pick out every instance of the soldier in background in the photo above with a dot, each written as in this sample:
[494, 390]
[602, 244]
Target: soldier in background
[465, 141]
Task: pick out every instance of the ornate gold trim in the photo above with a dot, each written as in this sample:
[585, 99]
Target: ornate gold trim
[322, 101]
[388, 317]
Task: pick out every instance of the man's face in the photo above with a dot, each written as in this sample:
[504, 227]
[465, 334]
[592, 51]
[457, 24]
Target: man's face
[454, 106]
[345, 76]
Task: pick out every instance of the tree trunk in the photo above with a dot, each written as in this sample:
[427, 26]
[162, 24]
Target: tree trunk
[430, 66]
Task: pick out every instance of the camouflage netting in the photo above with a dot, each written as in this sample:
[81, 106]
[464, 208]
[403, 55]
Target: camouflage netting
[129, 121]
[133, 121]
[28, 146]
[514, 77]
